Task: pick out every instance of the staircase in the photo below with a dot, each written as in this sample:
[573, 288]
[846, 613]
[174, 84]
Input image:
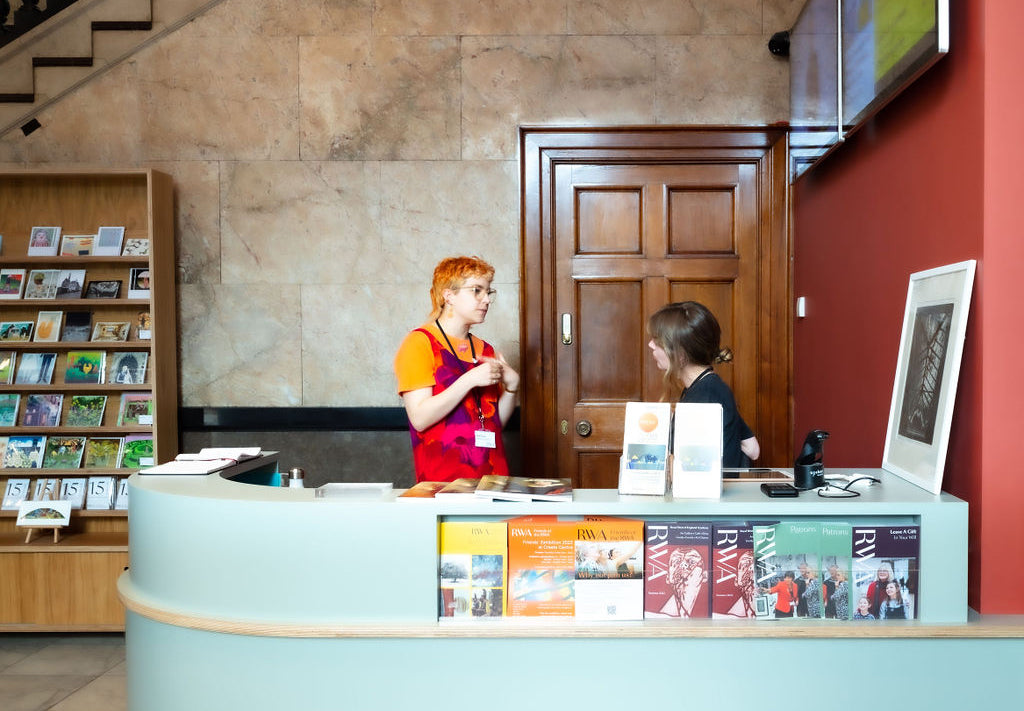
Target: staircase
[76, 45]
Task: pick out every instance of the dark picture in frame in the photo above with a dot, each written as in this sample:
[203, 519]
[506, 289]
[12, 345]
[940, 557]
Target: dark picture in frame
[927, 370]
[107, 289]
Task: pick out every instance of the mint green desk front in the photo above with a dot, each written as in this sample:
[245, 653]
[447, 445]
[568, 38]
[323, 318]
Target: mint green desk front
[242, 596]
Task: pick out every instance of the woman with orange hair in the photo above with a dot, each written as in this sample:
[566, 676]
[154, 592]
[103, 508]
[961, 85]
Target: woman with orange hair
[457, 390]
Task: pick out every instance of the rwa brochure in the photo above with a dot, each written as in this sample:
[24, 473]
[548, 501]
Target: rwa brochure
[678, 561]
[472, 569]
[645, 446]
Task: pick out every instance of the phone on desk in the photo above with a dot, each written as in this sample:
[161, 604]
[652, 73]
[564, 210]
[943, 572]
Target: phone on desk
[776, 490]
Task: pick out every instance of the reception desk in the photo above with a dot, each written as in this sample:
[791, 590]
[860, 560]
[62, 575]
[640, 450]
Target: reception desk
[246, 596]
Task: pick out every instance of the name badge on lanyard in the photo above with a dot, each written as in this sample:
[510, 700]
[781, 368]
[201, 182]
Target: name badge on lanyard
[485, 439]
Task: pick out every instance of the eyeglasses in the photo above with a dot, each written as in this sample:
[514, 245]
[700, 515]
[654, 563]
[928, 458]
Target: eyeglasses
[479, 292]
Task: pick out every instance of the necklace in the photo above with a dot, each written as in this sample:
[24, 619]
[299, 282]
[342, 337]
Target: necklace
[465, 369]
[704, 372]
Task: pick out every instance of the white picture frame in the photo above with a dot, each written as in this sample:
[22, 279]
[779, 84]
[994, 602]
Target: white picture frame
[927, 371]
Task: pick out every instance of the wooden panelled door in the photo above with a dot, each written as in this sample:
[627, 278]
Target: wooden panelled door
[618, 222]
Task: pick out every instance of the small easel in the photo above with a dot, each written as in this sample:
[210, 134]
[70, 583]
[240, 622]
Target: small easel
[33, 528]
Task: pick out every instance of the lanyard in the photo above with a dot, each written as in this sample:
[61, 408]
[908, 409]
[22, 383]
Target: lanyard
[472, 351]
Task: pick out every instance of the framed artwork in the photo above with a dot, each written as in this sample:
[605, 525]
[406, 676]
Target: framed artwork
[927, 370]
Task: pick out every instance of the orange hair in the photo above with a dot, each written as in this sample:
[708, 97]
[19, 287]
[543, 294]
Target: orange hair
[452, 273]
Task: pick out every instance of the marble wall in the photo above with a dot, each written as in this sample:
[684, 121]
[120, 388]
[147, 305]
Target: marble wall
[327, 153]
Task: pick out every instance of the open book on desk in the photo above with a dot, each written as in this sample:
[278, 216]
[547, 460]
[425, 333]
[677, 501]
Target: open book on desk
[206, 460]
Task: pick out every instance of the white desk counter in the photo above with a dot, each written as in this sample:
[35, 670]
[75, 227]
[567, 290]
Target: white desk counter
[258, 597]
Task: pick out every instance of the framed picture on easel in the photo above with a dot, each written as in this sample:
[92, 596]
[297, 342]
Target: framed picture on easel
[927, 371]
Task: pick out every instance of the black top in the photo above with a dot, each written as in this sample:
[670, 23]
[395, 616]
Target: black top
[708, 387]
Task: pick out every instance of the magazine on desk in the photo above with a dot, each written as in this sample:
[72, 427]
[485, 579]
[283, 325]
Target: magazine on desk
[523, 488]
[205, 461]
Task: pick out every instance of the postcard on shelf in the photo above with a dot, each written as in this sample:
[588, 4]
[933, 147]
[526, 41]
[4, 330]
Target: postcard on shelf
[100, 492]
[42, 410]
[85, 411]
[48, 326]
[143, 326]
[138, 283]
[110, 331]
[77, 245]
[422, 490]
[108, 241]
[84, 367]
[44, 514]
[44, 242]
[135, 247]
[77, 326]
[70, 283]
[63, 452]
[643, 468]
[7, 360]
[104, 289]
[523, 488]
[12, 283]
[45, 489]
[73, 489]
[472, 567]
[9, 403]
[135, 409]
[697, 451]
[121, 498]
[102, 452]
[42, 284]
[15, 492]
[24, 452]
[127, 368]
[16, 331]
[35, 369]
[137, 452]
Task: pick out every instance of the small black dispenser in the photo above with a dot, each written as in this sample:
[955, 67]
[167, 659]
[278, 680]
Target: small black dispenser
[809, 468]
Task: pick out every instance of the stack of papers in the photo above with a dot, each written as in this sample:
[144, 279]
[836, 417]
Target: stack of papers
[206, 460]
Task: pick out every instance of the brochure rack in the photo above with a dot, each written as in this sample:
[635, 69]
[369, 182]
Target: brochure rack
[94, 548]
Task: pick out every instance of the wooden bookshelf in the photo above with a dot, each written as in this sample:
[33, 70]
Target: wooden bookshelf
[71, 585]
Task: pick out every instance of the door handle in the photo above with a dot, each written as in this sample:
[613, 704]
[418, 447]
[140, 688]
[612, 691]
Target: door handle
[566, 329]
[584, 428]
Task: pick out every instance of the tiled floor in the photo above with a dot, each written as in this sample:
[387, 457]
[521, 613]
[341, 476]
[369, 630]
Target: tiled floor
[82, 672]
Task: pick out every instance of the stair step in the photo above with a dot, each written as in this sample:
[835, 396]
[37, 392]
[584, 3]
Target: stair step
[61, 61]
[17, 98]
[122, 25]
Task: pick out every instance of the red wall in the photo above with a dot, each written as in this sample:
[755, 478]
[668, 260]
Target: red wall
[928, 182]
